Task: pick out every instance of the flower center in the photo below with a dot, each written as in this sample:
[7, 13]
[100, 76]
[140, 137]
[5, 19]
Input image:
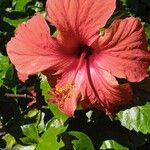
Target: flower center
[61, 94]
[84, 48]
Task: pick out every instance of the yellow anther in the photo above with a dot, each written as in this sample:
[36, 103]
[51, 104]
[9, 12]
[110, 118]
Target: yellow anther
[61, 94]
[60, 90]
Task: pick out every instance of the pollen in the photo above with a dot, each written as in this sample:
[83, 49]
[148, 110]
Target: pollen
[60, 94]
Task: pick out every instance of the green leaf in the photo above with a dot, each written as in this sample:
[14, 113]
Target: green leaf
[55, 34]
[37, 7]
[111, 144]
[31, 133]
[55, 122]
[124, 2]
[10, 141]
[147, 29]
[136, 118]
[11, 80]
[82, 142]
[21, 147]
[10, 73]
[20, 5]
[116, 15]
[45, 87]
[4, 66]
[49, 139]
[41, 124]
[15, 22]
[33, 112]
[57, 113]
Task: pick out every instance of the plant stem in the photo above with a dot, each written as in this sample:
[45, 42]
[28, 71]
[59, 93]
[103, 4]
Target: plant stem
[19, 96]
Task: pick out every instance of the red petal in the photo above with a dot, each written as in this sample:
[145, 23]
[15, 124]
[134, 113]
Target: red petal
[68, 89]
[109, 94]
[33, 50]
[22, 77]
[66, 94]
[123, 50]
[94, 87]
[80, 18]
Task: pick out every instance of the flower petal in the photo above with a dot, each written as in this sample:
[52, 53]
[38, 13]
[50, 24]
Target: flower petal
[66, 94]
[90, 86]
[122, 50]
[22, 77]
[33, 50]
[80, 18]
[109, 94]
[67, 91]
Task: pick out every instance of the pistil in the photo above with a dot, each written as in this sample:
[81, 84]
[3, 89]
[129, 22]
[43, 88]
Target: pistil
[84, 48]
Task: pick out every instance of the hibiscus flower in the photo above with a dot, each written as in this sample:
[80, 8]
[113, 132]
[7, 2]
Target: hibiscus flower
[84, 63]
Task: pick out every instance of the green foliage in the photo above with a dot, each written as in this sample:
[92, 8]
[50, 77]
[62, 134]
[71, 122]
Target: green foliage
[50, 138]
[20, 147]
[20, 5]
[80, 139]
[4, 67]
[37, 124]
[10, 140]
[31, 133]
[136, 118]
[111, 144]
[45, 87]
[124, 2]
[55, 126]
[147, 30]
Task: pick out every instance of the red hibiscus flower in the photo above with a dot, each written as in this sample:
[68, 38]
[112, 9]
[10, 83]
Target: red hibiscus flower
[86, 61]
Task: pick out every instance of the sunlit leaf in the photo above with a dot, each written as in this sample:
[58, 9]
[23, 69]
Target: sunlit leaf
[57, 113]
[55, 34]
[10, 141]
[14, 22]
[41, 124]
[31, 133]
[50, 140]
[20, 4]
[136, 118]
[111, 144]
[82, 141]
[21, 147]
[32, 113]
[37, 7]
